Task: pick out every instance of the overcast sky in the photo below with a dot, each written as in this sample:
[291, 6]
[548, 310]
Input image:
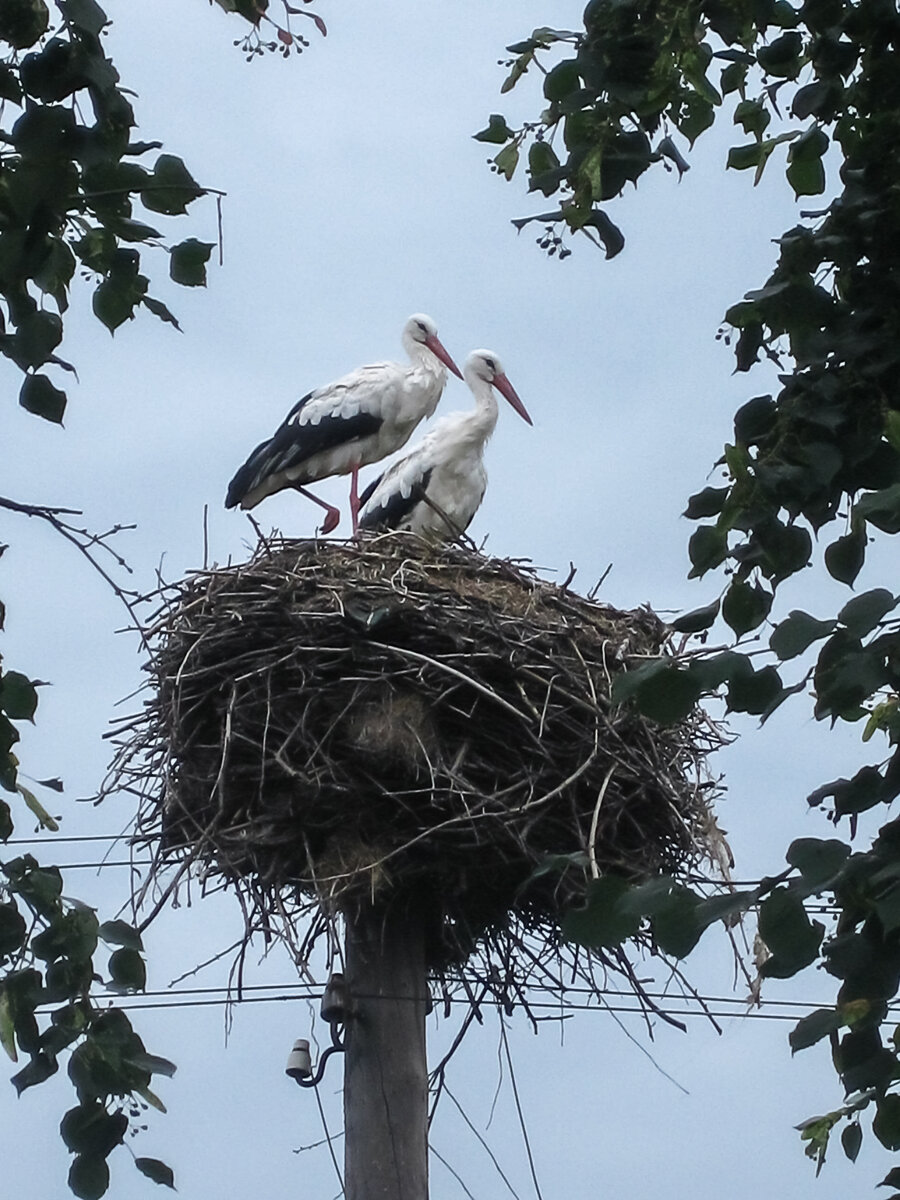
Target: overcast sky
[355, 196]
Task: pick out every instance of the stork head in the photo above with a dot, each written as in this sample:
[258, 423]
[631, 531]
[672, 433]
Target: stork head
[420, 330]
[485, 366]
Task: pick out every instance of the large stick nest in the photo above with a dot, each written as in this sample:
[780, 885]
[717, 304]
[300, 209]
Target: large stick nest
[350, 723]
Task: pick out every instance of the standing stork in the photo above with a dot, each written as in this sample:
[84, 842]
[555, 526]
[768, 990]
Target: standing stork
[436, 489]
[356, 420]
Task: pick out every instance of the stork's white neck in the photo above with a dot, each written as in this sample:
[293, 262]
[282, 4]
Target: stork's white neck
[482, 421]
[421, 356]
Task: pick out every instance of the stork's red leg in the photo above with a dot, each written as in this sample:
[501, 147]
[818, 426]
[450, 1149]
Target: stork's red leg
[354, 497]
[332, 514]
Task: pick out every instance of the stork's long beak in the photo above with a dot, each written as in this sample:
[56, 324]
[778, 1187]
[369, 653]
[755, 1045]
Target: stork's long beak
[506, 389]
[435, 346]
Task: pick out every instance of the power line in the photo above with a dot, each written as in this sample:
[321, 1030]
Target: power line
[314, 991]
[141, 863]
[493, 1003]
[682, 1006]
[96, 866]
[54, 840]
[47, 841]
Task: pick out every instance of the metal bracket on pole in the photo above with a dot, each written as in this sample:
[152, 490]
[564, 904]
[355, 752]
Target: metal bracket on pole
[335, 1011]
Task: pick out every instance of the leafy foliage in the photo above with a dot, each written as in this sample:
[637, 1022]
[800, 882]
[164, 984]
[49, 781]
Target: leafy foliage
[816, 87]
[48, 976]
[70, 177]
[78, 195]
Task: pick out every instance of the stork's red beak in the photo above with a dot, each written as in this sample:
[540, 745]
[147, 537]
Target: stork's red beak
[435, 346]
[502, 384]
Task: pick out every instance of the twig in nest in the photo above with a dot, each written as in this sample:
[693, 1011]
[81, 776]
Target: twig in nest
[592, 836]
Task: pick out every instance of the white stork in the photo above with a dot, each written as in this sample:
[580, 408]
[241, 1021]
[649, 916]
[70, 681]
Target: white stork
[356, 420]
[436, 489]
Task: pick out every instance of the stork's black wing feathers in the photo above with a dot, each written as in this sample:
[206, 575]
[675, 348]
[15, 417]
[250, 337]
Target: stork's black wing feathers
[397, 508]
[297, 407]
[293, 444]
[248, 475]
[369, 490]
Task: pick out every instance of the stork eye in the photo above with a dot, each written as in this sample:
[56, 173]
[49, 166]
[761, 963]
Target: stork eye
[490, 364]
[421, 325]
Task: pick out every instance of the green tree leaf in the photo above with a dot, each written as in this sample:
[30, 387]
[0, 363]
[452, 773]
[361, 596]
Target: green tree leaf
[90, 1130]
[675, 926]
[793, 939]
[886, 1124]
[707, 549]
[23, 23]
[35, 806]
[861, 614]
[127, 970]
[159, 310]
[171, 188]
[40, 887]
[12, 929]
[806, 176]
[753, 117]
[754, 692]
[603, 921]
[113, 304]
[845, 556]
[562, 80]
[818, 861]
[187, 263]
[496, 131]
[507, 160]
[41, 1068]
[667, 696]
[86, 14]
[88, 1177]
[741, 158]
[153, 1064]
[18, 696]
[881, 508]
[41, 397]
[781, 57]
[851, 1140]
[120, 933]
[157, 1171]
[708, 503]
[7, 1027]
[697, 620]
[544, 168]
[745, 606]
[37, 336]
[812, 1028]
[806, 171]
[797, 633]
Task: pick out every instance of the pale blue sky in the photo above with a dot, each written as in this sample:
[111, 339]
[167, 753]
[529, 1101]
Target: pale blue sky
[356, 196]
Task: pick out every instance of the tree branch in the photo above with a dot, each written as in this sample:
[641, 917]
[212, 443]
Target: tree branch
[86, 543]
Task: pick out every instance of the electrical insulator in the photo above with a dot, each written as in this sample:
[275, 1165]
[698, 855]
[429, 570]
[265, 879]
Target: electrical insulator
[334, 1000]
[299, 1063]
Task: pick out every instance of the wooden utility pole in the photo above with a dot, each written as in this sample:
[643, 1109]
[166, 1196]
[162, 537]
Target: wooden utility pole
[385, 1073]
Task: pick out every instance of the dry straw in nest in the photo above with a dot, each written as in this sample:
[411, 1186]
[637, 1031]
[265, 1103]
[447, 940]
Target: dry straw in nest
[335, 724]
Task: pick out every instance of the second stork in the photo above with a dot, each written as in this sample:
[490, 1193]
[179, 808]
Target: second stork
[436, 489]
